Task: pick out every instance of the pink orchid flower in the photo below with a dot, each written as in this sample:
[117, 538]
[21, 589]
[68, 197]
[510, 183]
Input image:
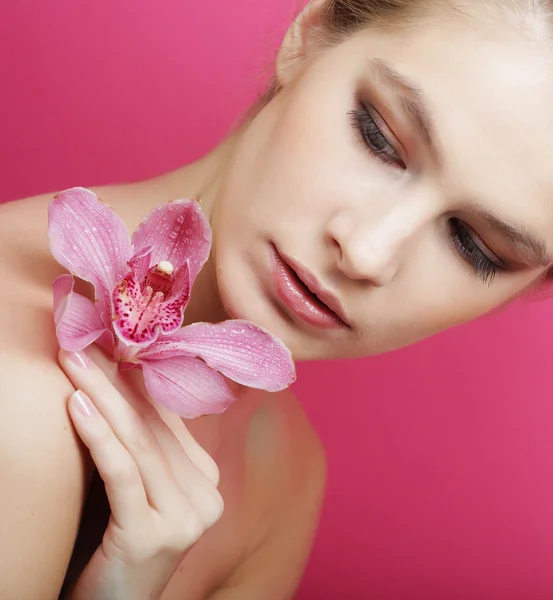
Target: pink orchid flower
[142, 286]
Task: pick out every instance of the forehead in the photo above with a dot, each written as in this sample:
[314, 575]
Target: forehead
[489, 90]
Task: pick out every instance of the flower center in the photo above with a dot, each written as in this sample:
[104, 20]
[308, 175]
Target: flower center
[160, 278]
[165, 267]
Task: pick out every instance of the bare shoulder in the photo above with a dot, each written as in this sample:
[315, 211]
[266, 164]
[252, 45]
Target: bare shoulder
[287, 467]
[282, 447]
[42, 467]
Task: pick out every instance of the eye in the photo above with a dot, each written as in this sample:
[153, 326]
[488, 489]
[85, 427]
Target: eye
[365, 124]
[481, 259]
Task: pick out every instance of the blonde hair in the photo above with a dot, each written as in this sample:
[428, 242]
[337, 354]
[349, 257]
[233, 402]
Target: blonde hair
[341, 18]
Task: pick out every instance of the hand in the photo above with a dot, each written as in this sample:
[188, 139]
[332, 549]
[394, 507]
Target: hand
[161, 486]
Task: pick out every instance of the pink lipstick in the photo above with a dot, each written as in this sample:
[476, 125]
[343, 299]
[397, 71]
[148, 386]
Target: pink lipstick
[303, 296]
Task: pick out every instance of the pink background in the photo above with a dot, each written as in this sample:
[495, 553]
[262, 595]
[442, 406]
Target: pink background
[441, 455]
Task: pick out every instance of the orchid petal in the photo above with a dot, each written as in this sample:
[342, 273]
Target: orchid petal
[177, 231]
[89, 240]
[182, 284]
[186, 386]
[78, 322]
[239, 349]
[140, 263]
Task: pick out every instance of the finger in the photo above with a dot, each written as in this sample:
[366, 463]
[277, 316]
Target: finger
[158, 480]
[194, 484]
[199, 457]
[193, 450]
[124, 487]
[200, 491]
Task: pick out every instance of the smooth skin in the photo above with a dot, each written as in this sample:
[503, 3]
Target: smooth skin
[376, 233]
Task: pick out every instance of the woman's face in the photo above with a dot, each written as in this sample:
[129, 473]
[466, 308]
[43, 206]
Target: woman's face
[404, 177]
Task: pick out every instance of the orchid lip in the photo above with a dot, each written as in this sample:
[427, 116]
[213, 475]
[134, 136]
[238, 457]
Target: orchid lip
[315, 287]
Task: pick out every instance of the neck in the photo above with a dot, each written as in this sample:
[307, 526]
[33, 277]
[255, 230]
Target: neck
[200, 181]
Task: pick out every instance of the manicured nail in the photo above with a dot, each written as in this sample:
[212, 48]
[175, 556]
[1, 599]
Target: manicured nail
[82, 403]
[80, 359]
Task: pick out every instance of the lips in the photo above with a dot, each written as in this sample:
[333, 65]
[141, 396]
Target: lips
[304, 296]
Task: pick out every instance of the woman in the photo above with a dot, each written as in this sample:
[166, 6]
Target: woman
[390, 182]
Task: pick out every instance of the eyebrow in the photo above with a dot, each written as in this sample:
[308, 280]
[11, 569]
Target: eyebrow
[411, 99]
[529, 246]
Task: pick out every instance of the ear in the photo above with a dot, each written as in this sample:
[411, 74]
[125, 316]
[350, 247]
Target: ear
[299, 42]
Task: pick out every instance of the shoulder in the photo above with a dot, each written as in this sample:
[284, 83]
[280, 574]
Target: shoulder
[44, 469]
[287, 466]
[296, 481]
[286, 470]
[42, 466]
[282, 448]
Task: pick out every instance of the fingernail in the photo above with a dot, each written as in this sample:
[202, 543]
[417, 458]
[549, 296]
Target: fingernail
[80, 359]
[82, 403]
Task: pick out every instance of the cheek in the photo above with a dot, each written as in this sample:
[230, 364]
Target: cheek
[459, 298]
[435, 291]
[295, 153]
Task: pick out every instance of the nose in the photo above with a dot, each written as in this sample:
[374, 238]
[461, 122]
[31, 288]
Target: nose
[372, 246]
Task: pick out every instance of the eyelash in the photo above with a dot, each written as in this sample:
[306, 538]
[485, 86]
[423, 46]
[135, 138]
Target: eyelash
[372, 136]
[378, 144]
[485, 268]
